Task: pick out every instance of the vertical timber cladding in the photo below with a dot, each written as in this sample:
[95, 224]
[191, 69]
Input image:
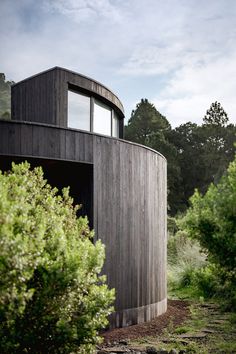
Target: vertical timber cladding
[130, 218]
[33, 99]
[43, 97]
[129, 185]
[129, 199]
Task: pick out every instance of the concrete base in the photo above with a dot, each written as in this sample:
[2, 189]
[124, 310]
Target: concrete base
[137, 315]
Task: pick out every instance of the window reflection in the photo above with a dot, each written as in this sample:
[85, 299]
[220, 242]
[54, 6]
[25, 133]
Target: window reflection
[115, 125]
[78, 111]
[102, 118]
[80, 115]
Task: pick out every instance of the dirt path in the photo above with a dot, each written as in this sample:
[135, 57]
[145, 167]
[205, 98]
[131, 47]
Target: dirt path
[186, 327]
[177, 312]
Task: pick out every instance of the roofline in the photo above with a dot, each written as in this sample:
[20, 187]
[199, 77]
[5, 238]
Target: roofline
[72, 72]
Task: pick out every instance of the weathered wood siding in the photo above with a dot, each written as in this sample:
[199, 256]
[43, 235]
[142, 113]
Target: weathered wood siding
[38, 140]
[43, 97]
[130, 218]
[34, 99]
[129, 208]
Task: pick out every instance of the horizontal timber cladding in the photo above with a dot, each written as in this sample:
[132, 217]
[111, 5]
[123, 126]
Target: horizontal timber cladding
[129, 208]
[43, 97]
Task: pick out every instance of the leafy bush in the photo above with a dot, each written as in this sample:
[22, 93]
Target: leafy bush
[206, 281]
[211, 220]
[52, 299]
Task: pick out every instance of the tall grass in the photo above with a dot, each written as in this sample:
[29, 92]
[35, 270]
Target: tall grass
[190, 275]
[185, 262]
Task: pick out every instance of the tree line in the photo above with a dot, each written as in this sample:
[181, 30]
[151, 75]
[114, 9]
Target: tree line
[5, 97]
[197, 155]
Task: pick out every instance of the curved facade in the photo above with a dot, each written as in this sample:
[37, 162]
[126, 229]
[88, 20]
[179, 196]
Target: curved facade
[122, 184]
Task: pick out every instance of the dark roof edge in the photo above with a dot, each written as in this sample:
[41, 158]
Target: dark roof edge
[72, 72]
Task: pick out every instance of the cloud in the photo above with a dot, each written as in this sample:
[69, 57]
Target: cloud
[173, 34]
[73, 34]
[150, 60]
[169, 51]
[194, 87]
[84, 10]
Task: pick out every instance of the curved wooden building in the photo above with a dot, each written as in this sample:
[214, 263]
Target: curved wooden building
[73, 127]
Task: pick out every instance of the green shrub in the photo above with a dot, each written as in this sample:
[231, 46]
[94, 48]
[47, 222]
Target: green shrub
[206, 281]
[52, 299]
[233, 318]
[211, 221]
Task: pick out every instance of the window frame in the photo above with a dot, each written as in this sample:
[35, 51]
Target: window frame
[84, 95]
[93, 100]
[109, 110]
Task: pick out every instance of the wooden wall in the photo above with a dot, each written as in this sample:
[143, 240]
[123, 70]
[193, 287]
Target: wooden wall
[33, 99]
[43, 97]
[129, 208]
[130, 217]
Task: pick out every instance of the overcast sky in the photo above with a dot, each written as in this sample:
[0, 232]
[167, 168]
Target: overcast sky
[180, 54]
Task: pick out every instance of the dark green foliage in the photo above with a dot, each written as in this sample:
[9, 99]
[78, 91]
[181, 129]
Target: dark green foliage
[211, 220]
[216, 115]
[5, 97]
[204, 153]
[206, 281]
[52, 299]
[149, 127]
[189, 144]
[196, 155]
[145, 121]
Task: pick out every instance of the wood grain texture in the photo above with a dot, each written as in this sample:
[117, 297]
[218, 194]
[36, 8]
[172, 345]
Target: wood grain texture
[128, 210]
[43, 97]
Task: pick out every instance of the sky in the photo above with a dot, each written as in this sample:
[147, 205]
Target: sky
[179, 54]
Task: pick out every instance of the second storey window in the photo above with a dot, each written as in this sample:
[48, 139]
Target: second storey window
[78, 111]
[88, 113]
[115, 125]
[101, 119]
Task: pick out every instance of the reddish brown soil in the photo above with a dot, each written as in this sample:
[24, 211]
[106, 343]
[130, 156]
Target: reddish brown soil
[177, 313]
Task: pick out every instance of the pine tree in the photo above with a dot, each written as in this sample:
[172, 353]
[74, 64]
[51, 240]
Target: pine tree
[145, 121]
[216, 115]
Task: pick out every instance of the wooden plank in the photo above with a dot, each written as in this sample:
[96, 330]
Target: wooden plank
[62, 137]
[88, 147]
[70, 145]
[38, 143]
[4, 138]
[14, 138]
[26, 141]
[53, 142]
[96, 184]
[80, 146]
